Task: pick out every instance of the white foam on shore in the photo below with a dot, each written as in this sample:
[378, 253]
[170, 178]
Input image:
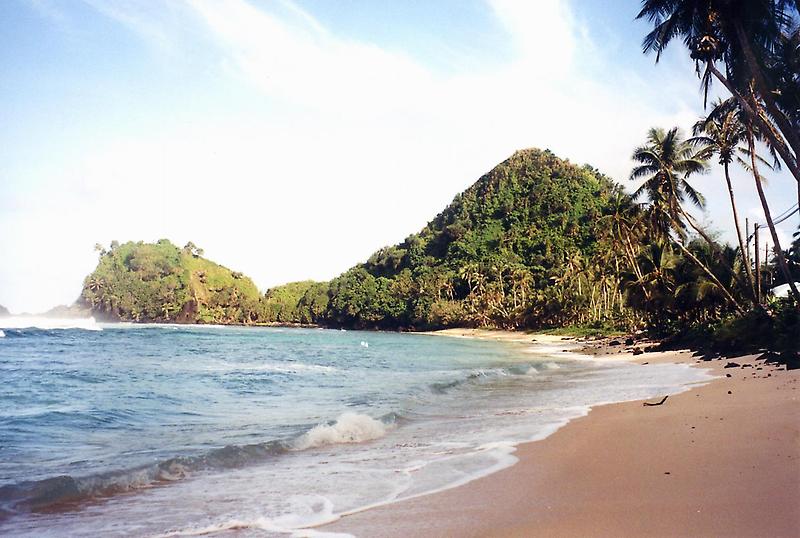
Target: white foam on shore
[348, 428]
[39, 322]
[260, 523]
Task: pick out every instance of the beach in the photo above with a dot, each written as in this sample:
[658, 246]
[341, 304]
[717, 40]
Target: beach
[722, 459]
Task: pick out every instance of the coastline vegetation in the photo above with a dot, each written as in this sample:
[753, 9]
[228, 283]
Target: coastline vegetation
[541, 243]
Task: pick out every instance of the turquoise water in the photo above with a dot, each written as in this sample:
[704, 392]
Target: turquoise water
[137, 430]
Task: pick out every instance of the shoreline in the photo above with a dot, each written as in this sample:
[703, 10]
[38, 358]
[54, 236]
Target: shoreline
[722, 458]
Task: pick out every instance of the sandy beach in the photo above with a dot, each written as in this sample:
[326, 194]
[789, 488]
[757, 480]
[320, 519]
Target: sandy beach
[722, 459]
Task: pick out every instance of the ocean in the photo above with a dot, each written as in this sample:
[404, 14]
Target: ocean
[172, 430]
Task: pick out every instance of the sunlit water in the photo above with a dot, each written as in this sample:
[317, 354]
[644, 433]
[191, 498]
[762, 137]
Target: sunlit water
[177, 430]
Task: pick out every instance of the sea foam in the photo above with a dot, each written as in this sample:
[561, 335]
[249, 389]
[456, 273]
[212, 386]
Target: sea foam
[348, 428]
[39, 322]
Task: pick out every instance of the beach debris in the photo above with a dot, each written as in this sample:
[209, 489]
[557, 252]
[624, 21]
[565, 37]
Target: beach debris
[648, 404]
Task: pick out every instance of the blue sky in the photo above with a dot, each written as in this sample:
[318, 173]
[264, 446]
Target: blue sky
[292, 139]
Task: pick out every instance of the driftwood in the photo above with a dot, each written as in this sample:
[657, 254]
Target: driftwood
[664, 399]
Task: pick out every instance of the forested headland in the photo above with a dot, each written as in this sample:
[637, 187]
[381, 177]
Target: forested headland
[159, 282]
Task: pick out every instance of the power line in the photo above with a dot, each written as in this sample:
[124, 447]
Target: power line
[782, 217]
[788, 213]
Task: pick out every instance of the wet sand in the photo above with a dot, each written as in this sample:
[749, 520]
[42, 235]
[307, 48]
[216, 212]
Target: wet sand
[722, 459]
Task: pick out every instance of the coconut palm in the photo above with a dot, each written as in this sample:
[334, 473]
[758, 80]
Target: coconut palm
[624, 226]
[785, 68]
[744, 35]
[666, 161]
[723, 134]
[654, 291]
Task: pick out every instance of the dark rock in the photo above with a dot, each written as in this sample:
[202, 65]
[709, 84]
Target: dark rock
[629, 341]
[727, 375]
[638, 351]
[615, 343]
[729, 392]
[732, 365]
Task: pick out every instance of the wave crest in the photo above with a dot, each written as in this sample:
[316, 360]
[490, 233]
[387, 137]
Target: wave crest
[348, 428]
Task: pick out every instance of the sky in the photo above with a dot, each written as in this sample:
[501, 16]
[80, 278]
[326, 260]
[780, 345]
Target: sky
[291, 139]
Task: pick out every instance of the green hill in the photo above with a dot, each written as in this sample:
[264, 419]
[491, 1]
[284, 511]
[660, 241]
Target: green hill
[510, 251]
[525, 246]
[161, 282]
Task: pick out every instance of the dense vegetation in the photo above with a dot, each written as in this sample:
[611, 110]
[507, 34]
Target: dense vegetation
[753, 50]
[522, 247]
[161, 282]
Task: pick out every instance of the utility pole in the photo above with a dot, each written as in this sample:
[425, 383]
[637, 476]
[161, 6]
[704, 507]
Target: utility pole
[747, 237]
[767, 273]
[758, 265]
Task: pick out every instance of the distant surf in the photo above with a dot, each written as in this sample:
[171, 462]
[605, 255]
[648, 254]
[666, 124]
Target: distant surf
[46, 323]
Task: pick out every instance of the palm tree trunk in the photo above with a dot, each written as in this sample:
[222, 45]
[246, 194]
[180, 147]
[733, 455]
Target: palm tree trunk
[769, 131]
[764, 91]
[711, 275]
[777, 244]
[739, 236]
[714, 248]
[635, 265]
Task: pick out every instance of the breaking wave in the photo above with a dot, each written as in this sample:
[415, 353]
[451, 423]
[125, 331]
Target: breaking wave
[66, 490]
[348, 428]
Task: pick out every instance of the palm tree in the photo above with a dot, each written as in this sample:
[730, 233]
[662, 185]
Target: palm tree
[656, 283]
[666, 161]
[744, 35]
[722, 134]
